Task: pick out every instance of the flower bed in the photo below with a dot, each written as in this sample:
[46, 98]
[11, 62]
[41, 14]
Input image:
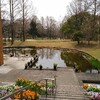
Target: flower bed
[50, 88]
[32, 93]
[92, 91]
[8, 89]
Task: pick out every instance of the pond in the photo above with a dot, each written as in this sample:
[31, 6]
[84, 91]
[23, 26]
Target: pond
[49, 57]
[46, 57]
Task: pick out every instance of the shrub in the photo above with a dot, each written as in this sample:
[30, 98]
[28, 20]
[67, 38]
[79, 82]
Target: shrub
[95, 63]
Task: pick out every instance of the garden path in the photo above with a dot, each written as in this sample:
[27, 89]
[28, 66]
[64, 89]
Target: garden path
[68, 87]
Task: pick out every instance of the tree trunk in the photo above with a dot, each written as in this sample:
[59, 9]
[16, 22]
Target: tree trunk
[1, 44]
[12, 21]
[23, 37]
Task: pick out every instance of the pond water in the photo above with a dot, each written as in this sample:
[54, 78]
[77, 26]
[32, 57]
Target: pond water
[46, 57]
[49, 57]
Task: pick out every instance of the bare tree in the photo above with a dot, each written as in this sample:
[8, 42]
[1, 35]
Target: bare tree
[13, 13]
[42, 22]
[47, 26]
[77, 6]
[0, 7]
[51, 27]
[23, 39]
[12, 20]
[26, 13]
[3, 9]
[95, 11]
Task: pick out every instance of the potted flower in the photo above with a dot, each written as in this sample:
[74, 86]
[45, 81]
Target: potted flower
[40, 67]
[55, 67]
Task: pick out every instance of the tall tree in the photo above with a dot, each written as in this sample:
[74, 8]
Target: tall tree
[23, 37]
[26, 13]
[12, 20]
[0, 7]
[47, 26]
[1, 43]
[42, 22]
[13, 14]
[90, 25]
[74, 26]
[33, 29]
[50, 27]
[95, 10]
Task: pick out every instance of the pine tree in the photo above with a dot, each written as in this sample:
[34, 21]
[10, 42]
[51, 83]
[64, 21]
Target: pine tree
[33, 29]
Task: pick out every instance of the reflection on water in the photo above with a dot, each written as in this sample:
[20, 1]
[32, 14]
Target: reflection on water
[74, 58]
[17, 52]
[48, 57]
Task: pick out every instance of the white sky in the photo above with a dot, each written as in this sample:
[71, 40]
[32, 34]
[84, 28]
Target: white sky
[55, 8]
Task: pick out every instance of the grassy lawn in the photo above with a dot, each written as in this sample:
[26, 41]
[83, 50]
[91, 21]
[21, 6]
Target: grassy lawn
[93, 49]
[95, 53]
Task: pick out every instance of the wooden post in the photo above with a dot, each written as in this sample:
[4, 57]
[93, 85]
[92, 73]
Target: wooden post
[1, 44]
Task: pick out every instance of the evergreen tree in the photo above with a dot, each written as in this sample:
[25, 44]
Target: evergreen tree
[33, 29]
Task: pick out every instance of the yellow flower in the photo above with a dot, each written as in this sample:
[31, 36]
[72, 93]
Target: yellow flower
[39, 84]
[31, 83]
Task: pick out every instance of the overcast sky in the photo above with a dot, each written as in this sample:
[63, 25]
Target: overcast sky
[55, 8]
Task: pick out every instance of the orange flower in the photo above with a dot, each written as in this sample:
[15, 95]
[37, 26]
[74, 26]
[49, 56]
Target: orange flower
[85, 86]
[27, 94]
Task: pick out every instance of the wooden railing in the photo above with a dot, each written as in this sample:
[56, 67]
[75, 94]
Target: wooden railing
[53, 80]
